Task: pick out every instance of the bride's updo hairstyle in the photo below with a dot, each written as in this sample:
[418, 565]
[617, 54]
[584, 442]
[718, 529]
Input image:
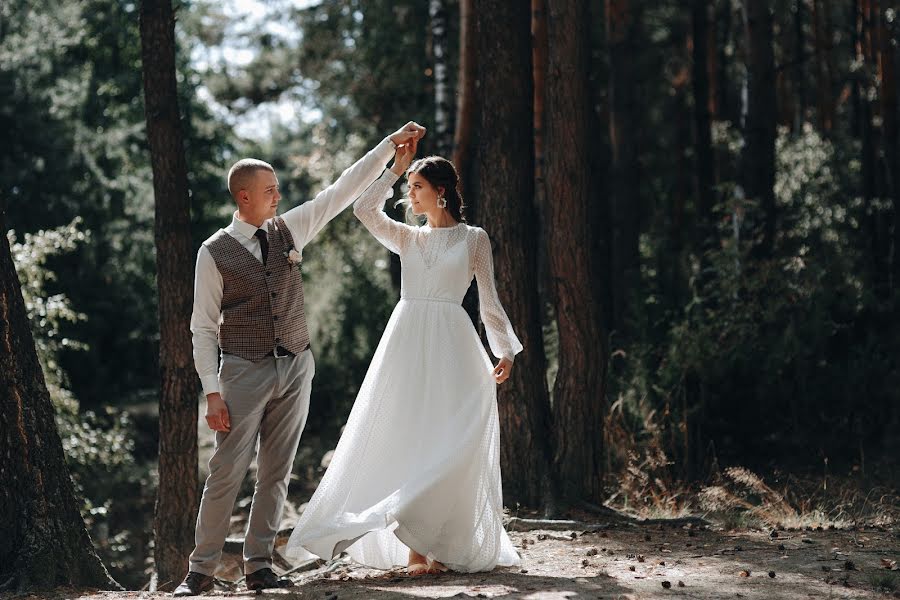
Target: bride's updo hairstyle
[440, 172]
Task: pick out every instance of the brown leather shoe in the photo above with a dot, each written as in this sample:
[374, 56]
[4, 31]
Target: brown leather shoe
[194, 584]
[265, 579]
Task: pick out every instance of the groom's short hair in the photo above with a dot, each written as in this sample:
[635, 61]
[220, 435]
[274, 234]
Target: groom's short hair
[241, 173]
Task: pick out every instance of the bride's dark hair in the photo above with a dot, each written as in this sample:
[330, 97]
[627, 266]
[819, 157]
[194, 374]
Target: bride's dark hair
[440, 172]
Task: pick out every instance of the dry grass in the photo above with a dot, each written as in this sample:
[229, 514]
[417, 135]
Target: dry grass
[643, 485]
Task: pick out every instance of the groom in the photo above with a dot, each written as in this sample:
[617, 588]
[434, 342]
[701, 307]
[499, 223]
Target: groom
[248, 303]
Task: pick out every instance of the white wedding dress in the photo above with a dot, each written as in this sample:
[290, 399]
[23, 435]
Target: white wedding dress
[418, 464]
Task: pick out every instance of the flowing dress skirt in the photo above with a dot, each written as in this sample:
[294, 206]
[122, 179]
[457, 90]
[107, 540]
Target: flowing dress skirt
[418, 464]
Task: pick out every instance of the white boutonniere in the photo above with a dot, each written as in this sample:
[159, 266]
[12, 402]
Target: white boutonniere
[293, 257]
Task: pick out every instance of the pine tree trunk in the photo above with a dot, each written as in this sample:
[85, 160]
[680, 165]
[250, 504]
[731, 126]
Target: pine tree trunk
[578, 396]
[622, 26]
[43, 540]
[889, 136]
[443, 97]
[466, 103]
[178, 494]
[499, 177]
[758, 161]
[799, 59]
[704, 163]
[822, 38]
[539, 70]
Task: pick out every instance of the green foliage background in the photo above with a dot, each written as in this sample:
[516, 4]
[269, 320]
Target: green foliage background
[736, 359]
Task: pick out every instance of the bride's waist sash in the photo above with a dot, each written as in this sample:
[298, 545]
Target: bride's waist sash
[430, 299]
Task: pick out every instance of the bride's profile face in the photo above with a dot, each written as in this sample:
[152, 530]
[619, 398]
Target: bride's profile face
[422, 195]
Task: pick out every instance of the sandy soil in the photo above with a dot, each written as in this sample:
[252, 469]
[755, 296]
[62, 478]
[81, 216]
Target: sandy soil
[625, 561]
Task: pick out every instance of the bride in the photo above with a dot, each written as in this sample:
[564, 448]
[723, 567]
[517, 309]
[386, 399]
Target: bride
[415, 477]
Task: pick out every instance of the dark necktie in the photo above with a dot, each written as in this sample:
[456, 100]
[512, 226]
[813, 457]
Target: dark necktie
[263, 238]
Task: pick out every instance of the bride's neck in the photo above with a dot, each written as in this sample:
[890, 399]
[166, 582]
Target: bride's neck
[442, 219]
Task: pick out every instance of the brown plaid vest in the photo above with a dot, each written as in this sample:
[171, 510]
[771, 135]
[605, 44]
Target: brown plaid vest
[262, 305]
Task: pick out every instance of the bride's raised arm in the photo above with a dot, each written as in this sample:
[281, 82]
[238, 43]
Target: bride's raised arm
[369, 207]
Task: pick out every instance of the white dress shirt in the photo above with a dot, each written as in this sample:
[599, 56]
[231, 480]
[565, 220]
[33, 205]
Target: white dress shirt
[304, 222]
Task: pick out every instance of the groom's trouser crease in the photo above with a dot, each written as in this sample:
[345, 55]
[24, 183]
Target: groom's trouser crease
[269, 401]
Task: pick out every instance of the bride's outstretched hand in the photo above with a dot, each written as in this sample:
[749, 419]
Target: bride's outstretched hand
[412, 131]
[403, 157]
[502, 370]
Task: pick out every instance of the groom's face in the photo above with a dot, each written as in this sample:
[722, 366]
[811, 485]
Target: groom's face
[262, 195]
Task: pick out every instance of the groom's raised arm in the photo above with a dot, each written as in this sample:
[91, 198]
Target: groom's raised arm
[306, 220]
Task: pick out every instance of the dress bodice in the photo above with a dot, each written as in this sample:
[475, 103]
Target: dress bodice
[438, 264]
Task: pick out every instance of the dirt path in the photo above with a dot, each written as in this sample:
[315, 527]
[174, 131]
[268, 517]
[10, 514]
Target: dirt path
[631, 562]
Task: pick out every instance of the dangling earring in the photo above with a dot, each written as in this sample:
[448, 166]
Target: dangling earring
[442, 202]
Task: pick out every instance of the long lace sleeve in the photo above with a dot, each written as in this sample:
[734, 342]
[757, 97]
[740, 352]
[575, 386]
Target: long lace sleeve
[369, 208]
[500, 334]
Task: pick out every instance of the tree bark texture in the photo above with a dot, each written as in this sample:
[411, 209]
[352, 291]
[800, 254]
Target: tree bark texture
[499, 177]
[43, 540]
[578, 396]
[178, 494]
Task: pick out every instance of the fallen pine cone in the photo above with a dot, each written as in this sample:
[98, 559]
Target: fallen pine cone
[667, 584]
[772, 574]
[745, 573]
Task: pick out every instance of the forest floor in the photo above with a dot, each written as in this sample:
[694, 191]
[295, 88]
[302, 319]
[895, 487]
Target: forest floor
[622, 558]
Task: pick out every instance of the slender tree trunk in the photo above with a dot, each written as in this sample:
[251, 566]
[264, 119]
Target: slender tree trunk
[178, 495]
[758, 160]
[704, 163]
[466, 112]
[466, 105]
[864, 115]
[889, 134]
[622, 24]
[443, 97]
[43, 541]
[822, 38]
[578, 396]
[499, 175]
[799, 59]
[539, 69]
[723, 25]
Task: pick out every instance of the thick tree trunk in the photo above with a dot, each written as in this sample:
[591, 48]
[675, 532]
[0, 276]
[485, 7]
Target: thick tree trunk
[499, 177]
[622, 25]
[443, 96]
[578, 396]
[758, 160]
[43, 541]
[178, 495]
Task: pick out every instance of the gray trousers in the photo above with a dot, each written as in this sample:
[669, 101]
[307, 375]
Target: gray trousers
[267, 401]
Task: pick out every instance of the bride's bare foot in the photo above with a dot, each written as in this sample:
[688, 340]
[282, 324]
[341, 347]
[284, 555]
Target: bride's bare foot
[436, 567]
[418, 564]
